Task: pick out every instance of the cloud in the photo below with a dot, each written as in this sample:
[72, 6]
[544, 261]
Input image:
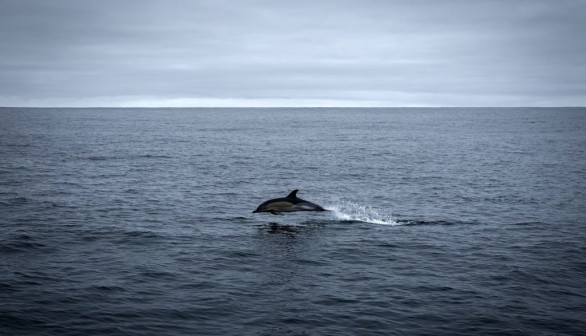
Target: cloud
[359, 53]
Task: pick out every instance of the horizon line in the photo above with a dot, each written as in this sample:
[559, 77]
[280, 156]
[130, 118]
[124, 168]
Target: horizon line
[279, 107]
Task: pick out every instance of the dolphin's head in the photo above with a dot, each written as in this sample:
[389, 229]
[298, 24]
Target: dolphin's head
[260, 209]
[263, 207]
[276, 206]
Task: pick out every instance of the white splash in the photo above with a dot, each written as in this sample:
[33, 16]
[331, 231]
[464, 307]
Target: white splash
[350, 211]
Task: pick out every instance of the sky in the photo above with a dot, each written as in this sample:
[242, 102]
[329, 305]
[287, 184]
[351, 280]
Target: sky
[245, 53]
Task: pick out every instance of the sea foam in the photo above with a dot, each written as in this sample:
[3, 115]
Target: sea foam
[354, 212]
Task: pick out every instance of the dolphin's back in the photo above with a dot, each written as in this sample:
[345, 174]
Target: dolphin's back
[301, 203]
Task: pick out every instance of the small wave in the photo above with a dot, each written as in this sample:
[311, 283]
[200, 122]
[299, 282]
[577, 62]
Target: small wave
[120, 157]
[426, 222]
[102, 158]
[154, 156]
[353, 212]
[21, 243]
[17, 201]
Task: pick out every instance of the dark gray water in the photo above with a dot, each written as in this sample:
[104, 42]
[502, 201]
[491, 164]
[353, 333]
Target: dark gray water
[442, 222]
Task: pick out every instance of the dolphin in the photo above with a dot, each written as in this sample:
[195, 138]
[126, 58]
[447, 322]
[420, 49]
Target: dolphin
[290, 203]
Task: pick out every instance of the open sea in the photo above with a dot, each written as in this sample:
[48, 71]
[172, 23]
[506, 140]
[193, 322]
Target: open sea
[442, 221]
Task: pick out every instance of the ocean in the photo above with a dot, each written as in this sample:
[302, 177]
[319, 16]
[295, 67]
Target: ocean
[442, 221]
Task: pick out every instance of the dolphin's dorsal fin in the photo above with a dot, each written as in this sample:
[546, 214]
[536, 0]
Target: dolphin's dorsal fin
[293, 194]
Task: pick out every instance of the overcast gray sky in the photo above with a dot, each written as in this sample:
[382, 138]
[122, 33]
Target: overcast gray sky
[293, 53]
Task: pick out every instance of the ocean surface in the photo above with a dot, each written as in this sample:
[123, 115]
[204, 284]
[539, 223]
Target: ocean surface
[466, 221]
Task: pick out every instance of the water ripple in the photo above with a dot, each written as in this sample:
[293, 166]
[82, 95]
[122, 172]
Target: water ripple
[441, 222]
